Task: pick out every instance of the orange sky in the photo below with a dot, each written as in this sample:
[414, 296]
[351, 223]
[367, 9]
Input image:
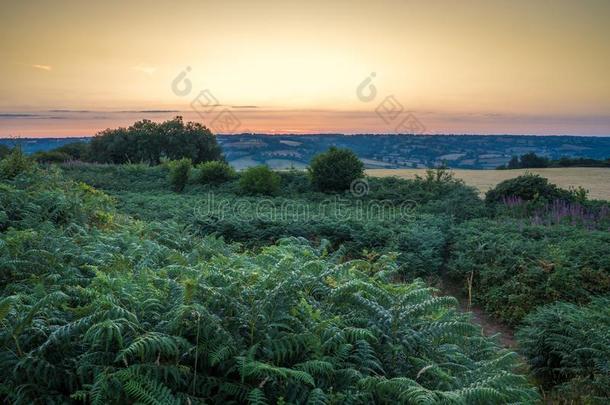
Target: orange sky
[72, 68]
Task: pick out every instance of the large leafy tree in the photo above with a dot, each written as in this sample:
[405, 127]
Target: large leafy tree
[147, 141]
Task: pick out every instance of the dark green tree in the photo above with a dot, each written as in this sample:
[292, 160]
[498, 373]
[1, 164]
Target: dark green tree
[531, 160]
[514, 163]
[147, 141]
[335, 169]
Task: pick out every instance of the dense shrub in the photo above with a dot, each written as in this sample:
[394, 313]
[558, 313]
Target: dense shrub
[527, 161]
[149, 142]
[531, 160]
[150, 313]
[529, 187]
[4, 151]
[335, 170]
[51, 156]
[259, 180]
[215, 172]
[421, 245]
[460, 202]
[179, 171]
[76, 150]
[111, 178]
[568, 346]
[591, 214]
[515, 268]
[14, 164]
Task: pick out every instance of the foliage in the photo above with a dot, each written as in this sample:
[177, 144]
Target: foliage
[134, 177]
[531, 160]
[215, 172]
[259, 180]
[4, 151]
[51, 156]
[580, 162]
[151, 313]
[148, 142]
[527, 161]
[179, 171]
[421, 245]
[76, 150]
[99, 307]
[14, 164]
[567, 346]
[515, 267]
[529, 187]
[580, 212]
[335, 170]
[446, 196]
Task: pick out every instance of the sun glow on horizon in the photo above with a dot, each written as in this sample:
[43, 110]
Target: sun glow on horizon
[476, 67]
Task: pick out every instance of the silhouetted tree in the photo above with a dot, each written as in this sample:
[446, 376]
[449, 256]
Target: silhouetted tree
[147, 141]
[531, 160]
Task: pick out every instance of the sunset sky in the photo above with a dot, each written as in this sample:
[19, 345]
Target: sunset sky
[72, 68]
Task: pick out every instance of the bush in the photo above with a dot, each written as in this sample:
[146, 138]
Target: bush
[335, 170]
[179, 173]
[568, 346]
[529, 187]
[215, 172]
[14, 164]
[76, 150]
[4, 151]
[43, 197]
[259, 180]
[149, 142]
[421, 245]
[516, 268]
[52, 156]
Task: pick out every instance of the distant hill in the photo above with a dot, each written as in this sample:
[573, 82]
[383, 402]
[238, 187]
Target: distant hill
[386, 151]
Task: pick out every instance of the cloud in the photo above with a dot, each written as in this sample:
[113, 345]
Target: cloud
[149, 70]
[16, 115]
[42, 67]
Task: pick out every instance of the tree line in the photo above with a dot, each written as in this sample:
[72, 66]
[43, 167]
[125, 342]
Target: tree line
[532, 161]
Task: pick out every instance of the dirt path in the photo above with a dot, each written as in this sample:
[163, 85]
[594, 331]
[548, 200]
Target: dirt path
[490, 326]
